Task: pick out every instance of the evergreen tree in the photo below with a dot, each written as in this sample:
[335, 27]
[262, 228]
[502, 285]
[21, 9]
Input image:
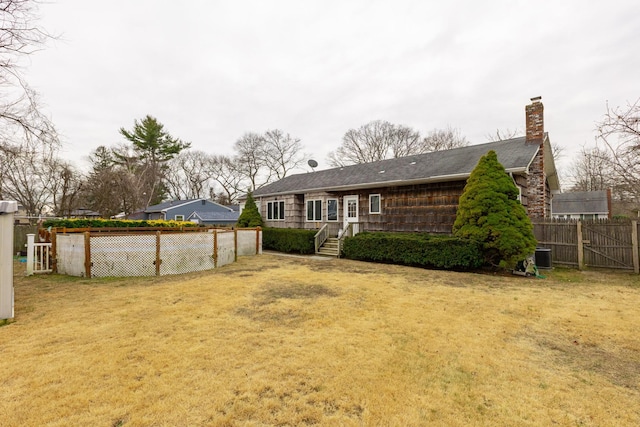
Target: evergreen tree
[250, 216]
[489, 212]
[152, 147]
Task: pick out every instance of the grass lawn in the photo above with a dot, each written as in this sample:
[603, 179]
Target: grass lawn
[274, 340]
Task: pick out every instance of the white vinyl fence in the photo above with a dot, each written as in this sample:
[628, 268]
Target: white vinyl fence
[108, 254]
[39, 258]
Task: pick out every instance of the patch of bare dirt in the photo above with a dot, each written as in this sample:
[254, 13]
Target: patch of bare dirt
[264, 307]
[618, 365]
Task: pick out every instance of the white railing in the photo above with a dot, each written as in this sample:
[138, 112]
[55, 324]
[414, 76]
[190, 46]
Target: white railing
[349, 229]
[321, 237]
[38, 256]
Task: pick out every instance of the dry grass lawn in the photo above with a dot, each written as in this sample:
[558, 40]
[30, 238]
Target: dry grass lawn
[276, 340]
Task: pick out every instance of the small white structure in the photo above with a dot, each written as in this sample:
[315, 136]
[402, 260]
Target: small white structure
[7, 211]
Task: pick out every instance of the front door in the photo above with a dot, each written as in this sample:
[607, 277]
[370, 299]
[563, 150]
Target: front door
[350, 204]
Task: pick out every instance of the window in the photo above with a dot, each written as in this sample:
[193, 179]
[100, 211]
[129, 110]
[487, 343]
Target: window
[332, 210]
[275, 210]
[314, 210]
[179, 217]
[374, 204]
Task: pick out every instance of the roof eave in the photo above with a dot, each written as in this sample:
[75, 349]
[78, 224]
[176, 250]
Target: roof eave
[395, 183]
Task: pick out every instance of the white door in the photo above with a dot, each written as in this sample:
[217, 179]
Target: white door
[350, 204]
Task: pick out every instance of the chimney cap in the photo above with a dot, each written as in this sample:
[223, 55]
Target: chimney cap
[536, 99]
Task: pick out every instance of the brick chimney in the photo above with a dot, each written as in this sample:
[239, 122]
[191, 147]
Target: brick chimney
[535, 121]
[538, 202]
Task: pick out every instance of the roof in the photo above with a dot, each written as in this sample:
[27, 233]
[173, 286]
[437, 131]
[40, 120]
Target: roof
[448, 165]
[83, 212]
[165, 206]
[580, 202]
[230, 217]
[161, 207]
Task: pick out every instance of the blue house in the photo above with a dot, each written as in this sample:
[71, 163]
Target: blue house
[201, 211]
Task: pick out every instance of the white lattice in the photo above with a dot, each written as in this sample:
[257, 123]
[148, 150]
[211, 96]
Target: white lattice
[137, 254]
[183, 253]
[133, 255]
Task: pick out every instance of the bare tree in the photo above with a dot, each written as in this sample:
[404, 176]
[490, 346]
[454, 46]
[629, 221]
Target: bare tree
[376, 140]
[188, 175]
[28, 173]
[591, 170]
[66, 188]
[405, 141]
[503, 134]
[20, 36]
[250, 160]
[379, 140]
[281, 152]
[226, 172]
[444, 139]
[619, 134]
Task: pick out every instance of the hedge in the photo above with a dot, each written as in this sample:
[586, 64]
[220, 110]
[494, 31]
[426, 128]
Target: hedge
[417, 250]
[289, 240]
[103, 223]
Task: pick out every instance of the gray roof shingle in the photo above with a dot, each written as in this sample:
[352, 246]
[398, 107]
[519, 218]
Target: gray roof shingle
[514, 154]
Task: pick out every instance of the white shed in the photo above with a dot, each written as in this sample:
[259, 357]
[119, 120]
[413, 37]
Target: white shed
[7, 210]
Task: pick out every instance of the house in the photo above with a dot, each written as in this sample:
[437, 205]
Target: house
[582, 205]
[413, 193]
[197, 210]
[84, 213]
[20, 217]
[214, 218]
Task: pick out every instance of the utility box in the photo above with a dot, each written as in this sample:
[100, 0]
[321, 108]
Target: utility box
[7, 211]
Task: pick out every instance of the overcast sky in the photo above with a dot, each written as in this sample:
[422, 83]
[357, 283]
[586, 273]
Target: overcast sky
[211, 71]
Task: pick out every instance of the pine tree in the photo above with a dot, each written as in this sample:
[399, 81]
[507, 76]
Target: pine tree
[490, 212]
[250, 216]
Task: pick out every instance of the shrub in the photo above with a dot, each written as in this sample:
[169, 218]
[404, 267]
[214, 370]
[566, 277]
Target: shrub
[115, 223]
[490, 213]
[289, 240]
[417, 250]
[250, 216]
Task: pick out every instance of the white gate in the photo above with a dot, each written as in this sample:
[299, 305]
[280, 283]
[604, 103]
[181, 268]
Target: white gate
[38, 256]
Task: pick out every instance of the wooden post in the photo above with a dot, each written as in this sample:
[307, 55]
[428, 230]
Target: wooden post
[235, 244]
[158, 260]
[31, 240]
[54, 251]
[258, 240]
[215, 248]
[580, 245]
[634, 241]
[87, 254]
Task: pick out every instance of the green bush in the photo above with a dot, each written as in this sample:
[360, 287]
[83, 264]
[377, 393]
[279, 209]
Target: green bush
[115, 223]
[417, 250]
[250, 216]
[490, 212]
[289, 240]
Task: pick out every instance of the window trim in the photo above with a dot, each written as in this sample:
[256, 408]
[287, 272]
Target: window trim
[315, 212]
[371, 197]
[275, 210]
[178, 217]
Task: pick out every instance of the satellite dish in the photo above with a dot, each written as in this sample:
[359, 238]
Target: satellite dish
[312, 163]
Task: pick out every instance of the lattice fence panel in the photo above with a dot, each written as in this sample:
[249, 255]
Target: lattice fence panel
[183, 253]
[133, 255]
